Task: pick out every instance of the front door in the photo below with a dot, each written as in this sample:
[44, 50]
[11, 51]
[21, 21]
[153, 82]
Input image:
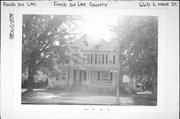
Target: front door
[82, 76]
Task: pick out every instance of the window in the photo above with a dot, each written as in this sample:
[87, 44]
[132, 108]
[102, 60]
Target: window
[103, 59]
[110, 59]
[95, 59]
[106, 59]
[98, 75]
[99, 59]
[84, 76]
[114, 59]
[105, 76]
[91, 58]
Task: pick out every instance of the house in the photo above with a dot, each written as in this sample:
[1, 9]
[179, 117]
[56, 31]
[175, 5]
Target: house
[99, 71]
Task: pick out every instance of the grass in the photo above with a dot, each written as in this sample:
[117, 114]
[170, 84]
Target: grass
[145, 99]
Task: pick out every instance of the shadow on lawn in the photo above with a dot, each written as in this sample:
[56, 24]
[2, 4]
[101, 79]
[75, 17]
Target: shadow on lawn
[68, 92]
[55, 94]
[145, 99]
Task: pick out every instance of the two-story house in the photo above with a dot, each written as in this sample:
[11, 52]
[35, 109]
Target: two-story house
[99, 71]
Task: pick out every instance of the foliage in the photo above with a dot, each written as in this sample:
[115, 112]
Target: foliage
[138, 37]
[40, 84]
[47, 39]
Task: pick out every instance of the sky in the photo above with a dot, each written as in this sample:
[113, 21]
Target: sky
[97, 27]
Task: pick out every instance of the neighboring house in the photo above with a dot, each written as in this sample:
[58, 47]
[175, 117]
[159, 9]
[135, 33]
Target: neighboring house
[99, 71]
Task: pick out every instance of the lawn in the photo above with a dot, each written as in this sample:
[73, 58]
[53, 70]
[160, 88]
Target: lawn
[46, 96]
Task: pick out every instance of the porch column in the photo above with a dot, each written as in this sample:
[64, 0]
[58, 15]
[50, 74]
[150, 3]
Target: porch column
[88, 81]
[114, 80]
[117, 88]
[87, 74]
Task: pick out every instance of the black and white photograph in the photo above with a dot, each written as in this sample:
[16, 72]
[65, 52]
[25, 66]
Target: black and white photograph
[89, 59]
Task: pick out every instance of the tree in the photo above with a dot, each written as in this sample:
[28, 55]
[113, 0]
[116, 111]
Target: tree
[45, 39]
[138, 37]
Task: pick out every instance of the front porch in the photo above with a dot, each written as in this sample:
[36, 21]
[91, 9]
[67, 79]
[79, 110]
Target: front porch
[93, 78]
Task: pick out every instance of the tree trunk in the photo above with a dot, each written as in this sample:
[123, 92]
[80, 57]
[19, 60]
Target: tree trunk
[30, 83]
[32, 71]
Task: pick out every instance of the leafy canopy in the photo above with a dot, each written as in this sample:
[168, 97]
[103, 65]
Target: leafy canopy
[138, 38]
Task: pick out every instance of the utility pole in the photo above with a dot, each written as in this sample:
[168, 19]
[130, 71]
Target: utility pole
[117, 88]
[118, 75]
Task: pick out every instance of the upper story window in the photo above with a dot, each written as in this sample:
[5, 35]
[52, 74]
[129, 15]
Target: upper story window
[95, 59]
[110, 59]
[63, 61]
[99, 60]
[91, 58]
[114, 59]
[106, 59]
[103, 59]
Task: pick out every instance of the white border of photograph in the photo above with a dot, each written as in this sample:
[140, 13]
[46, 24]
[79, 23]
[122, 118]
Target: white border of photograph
[167, 60]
